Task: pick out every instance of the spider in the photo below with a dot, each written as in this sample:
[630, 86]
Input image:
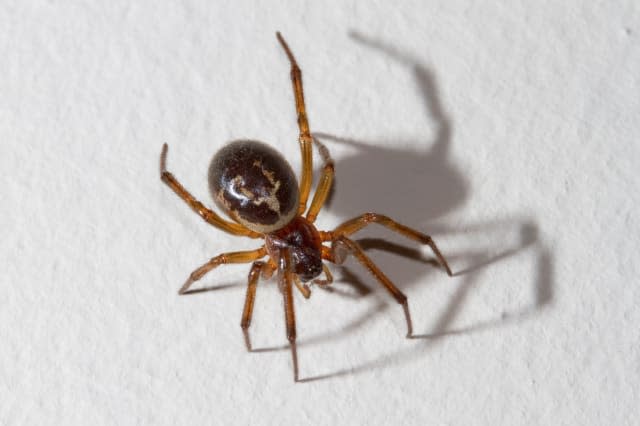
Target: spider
[257, 188]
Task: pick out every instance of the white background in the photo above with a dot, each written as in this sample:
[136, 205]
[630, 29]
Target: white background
[509, 132]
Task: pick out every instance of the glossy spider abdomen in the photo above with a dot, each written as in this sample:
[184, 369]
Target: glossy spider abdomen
[254, 185]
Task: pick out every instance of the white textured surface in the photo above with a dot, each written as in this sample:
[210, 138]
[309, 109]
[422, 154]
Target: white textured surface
[508, 132]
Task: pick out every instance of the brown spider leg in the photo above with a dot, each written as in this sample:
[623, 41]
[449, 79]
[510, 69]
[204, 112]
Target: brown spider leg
[222, 259]
[250, 298]
[285, 281]
[208, 215]
[324, 186]
[303, 124]
[351, 226]
[342, 246]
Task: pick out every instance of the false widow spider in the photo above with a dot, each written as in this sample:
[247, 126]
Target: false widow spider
[257, 188]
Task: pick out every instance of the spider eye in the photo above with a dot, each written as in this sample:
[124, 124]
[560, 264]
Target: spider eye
[254, 185]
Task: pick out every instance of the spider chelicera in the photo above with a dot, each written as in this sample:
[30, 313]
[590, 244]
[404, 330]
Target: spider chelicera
[253, 184]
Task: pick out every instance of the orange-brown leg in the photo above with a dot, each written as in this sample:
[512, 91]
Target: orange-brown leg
[285, 281]
[254, 275]
[343, 246]
[222, 259]
[351, 226]
[303, 124]
[324, 185]
[208, 215]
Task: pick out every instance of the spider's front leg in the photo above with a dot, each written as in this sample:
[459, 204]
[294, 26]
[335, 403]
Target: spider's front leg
[285, 282]
[257, 269]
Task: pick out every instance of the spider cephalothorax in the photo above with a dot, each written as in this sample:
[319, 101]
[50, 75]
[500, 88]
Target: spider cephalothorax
[253, 184]
[305, 244]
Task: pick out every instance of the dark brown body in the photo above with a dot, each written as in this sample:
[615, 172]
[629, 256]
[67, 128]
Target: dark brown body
[254, 185]
[303, 241]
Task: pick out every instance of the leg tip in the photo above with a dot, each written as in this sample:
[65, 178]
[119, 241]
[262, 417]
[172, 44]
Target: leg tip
[247, 339]
[163, 159]
[294, 357]
[185, 287]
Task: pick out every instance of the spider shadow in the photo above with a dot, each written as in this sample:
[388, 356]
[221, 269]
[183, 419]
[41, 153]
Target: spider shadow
[478, 261]
[413, 186]
[542, 287]
[422, 186]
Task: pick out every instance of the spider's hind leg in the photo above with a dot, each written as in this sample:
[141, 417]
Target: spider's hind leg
[354, 225]
[207, 214]
[342, 246]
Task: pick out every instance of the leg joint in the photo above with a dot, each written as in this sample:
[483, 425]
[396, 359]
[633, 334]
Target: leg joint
[220, 259]
[372, 217]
